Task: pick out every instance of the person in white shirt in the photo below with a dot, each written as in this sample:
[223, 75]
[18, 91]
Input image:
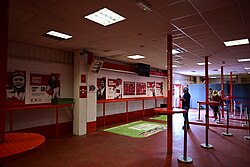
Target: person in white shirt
[118, 89]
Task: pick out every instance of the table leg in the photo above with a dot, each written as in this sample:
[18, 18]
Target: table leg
[170, 134]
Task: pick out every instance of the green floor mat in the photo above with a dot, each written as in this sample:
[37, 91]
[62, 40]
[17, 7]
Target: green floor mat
[138, 129]
[160, 117]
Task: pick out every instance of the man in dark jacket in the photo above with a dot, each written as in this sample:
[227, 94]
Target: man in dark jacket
[185, 105]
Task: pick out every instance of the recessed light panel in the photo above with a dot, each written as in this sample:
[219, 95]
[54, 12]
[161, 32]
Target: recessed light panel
[237, 42]
[174, 66]
[243, 60]
[202, 64]
[105, 17]
[58, 35]
[136, 57]
[178, 51]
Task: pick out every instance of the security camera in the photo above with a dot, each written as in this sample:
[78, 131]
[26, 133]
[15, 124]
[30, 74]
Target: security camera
[83, 52]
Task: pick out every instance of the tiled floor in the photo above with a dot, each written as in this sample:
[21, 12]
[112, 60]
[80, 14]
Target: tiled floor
[103, 149]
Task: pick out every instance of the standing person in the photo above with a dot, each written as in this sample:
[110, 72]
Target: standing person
[53, 87]
[210, 95]
[216, 98]
[185, 105]
[15, 94]
[101, 92]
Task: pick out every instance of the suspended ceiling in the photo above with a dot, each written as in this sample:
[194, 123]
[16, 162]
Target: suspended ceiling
[198, 26]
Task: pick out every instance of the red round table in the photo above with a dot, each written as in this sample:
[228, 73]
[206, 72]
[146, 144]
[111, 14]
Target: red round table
[169, 113]
[18, 145]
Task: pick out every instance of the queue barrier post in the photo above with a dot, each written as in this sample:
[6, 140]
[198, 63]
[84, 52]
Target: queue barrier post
[227, 132]
[241, 110]
[245, 113]
[234, 108]
[199, 113]
[206, 144]
[185, 158]
[248, 137]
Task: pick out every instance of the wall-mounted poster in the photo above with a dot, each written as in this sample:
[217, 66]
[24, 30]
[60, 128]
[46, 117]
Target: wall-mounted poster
[83, 92]
[129, 88]
[140, 88]
[15, 88]
[114, 88]
[101, 88]
[150, 88]
[159, 89]
[44, 87]
[83, 78]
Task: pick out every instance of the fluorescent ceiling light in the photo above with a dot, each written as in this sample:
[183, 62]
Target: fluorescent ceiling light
[174, 66]
[136, 57]
[105, 17]
[237, 42]
[59, 35]
[202, 64]
[213, 77]
[144, 5]
[174, 51]
[178, 50]
[247, 68]
[242, 60]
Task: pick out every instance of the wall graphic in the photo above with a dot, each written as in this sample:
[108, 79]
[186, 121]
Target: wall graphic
[150, 88]
[83, 92]
[159, 89]
[129, 88]
[101, 88]
[140, 88]
[114, 88]
[44, 87]
[15, 88]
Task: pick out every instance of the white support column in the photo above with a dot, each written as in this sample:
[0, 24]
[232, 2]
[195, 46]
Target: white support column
[91, 100]
[80, 107]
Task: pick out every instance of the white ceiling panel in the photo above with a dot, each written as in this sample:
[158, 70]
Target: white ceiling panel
[197, 26]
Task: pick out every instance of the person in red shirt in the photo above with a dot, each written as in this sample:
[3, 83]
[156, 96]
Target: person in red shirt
[216, 98]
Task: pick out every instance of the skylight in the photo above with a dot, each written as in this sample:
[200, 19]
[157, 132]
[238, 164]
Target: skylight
[237, 42]
[58, 35]
[105, 17]
[136, 57]
[202, 64]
